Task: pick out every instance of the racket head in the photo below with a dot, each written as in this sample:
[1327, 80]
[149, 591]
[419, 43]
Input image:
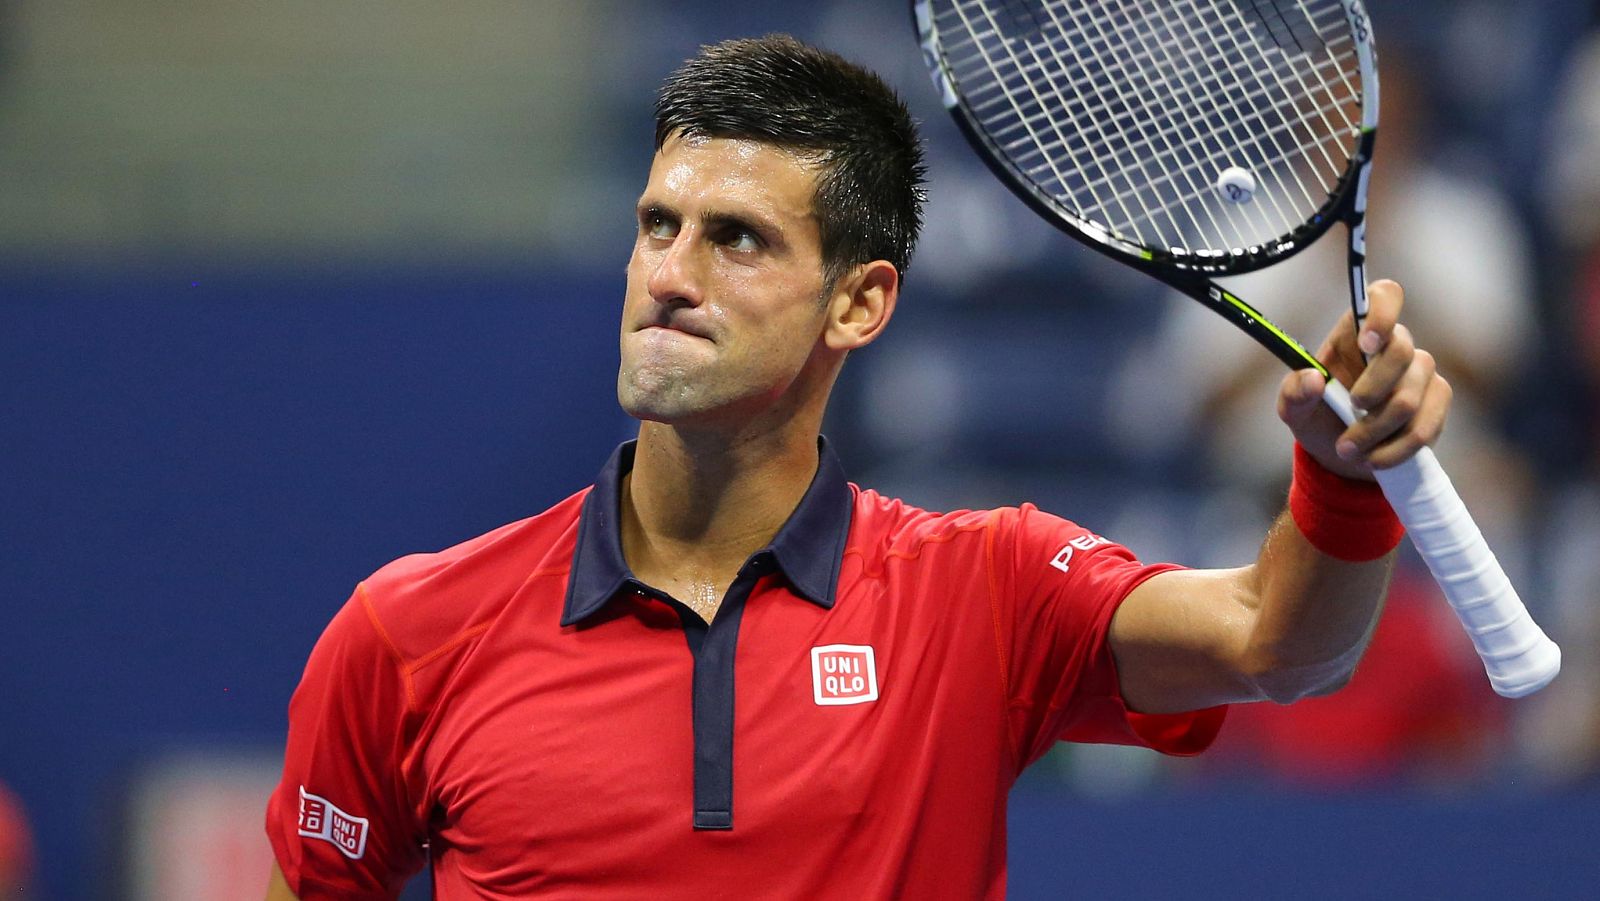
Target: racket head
[1119, 121]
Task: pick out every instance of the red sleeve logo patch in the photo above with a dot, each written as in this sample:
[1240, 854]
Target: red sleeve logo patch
[321, 819]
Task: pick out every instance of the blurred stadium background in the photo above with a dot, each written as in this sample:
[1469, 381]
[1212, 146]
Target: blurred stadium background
[290, 289]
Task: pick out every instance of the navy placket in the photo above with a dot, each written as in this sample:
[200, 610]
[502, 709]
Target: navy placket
[807, 550]
[715, 646]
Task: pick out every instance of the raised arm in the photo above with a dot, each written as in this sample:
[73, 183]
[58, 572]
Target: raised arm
[1295, 622]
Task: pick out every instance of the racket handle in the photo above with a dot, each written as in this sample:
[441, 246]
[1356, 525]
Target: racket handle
[1519, 658]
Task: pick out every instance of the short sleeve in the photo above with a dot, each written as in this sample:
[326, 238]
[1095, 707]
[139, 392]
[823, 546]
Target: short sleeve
[1057, 586]
[342, 822]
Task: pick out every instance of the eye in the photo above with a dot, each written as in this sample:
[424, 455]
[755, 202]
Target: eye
[738, 237]
[657, 225]
[742, 240]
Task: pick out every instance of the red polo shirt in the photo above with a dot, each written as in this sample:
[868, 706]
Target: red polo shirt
[847, 727]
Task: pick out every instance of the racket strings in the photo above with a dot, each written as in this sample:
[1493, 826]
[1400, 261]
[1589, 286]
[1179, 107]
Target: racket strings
[1260, 138]
[1316, 141]
[1181, 75]
[1199, 98]
[1150, 140]
[1148, 143]
[1279, 28]
[1271, 164]
[986, 106]
[1301, 90]
[1261, 82]
[1196, 195]
[1043, 113]
[1114, 94]
[1126, 113]
[1147, 139]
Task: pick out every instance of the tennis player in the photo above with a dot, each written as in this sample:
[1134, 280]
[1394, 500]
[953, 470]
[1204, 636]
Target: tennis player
[725, 671]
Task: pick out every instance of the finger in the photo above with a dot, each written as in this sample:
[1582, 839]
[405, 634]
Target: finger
[1426, 427]
[1396, 415]
[1385, 370]
[1339, 352]
[1384, 300]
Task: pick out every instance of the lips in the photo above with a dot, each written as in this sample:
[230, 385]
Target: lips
[686, 328]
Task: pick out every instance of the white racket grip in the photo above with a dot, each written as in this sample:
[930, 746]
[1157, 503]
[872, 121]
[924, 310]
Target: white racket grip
[1519, 658]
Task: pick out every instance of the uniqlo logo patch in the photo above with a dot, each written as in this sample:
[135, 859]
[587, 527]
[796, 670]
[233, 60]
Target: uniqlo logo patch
[843, 674]
[320, 819]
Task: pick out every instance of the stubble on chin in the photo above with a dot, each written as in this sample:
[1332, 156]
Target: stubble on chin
[656, 394]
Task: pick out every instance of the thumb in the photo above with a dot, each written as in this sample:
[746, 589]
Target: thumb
[1300, 397]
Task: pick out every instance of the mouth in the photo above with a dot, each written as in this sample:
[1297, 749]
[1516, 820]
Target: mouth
[678, 328]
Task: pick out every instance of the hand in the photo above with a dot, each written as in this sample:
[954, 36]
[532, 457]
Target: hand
[1405, 399]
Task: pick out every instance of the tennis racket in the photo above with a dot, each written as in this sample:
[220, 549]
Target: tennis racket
[1193, 139]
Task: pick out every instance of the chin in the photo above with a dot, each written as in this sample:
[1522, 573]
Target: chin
[686, 409]
[661, 400]
[647, 412]
[676, 397]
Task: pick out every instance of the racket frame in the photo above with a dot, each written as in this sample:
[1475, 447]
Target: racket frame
[1188, 271]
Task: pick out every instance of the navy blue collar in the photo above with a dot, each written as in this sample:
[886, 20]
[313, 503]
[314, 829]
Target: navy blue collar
[807, 550]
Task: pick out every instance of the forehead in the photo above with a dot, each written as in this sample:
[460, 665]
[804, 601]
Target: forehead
[722, 172]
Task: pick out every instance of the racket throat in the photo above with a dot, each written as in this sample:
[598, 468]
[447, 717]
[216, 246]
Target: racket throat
[1257, 326]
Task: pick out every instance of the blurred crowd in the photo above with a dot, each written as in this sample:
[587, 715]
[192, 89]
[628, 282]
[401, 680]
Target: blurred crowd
[1485, 206]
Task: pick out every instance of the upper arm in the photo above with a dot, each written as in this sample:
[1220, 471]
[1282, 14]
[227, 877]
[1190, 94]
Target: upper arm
[1057, 588]
[1181, 641]
[278, 888]
[344, 821]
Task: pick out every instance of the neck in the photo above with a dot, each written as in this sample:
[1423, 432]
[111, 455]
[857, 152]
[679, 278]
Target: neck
[710, 500]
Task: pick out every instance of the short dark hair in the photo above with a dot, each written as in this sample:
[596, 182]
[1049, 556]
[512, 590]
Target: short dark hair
[779, 91]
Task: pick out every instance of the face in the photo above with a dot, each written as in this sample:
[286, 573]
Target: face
[724, 308]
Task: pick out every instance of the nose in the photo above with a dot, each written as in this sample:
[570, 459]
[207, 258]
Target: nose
[676, 276]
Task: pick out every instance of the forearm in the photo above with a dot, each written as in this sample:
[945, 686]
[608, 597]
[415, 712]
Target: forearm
[1312, 615]
[1319, 583]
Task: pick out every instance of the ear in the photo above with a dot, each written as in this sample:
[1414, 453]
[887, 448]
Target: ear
[861, 305]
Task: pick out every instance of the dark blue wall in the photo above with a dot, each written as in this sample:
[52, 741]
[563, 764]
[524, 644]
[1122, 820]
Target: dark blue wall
[1228, 846]
[198, 467]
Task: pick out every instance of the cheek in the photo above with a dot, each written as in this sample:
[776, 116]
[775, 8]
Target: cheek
[789, 334]
[637, 273]
[637, 282]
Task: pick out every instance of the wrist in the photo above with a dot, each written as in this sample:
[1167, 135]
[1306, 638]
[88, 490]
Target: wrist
[1343, 518]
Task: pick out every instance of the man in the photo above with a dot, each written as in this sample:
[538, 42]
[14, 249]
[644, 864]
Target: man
[724, 671]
